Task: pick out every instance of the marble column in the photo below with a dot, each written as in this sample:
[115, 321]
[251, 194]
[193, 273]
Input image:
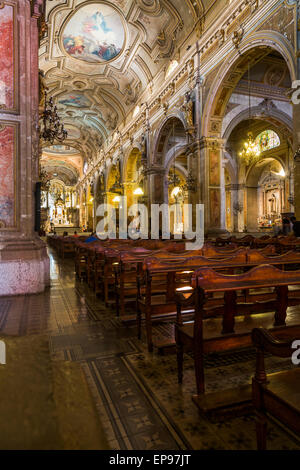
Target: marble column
[211, 157]
[157, 180]
[24, 263]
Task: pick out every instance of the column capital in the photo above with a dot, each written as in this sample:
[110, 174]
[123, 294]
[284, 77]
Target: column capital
[213, 143]
[156, 170]
[237, 187]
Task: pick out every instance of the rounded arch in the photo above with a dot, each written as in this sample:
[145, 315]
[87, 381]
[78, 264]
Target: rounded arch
[172, 155]
[130, 161]
[258, 167]
[266, 193]
[253, 48]
[172, 121]
[276, 118]
[132, 174]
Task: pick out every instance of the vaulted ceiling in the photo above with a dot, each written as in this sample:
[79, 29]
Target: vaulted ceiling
[98, 57]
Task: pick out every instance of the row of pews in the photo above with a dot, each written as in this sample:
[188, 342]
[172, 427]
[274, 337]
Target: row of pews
[226, 296]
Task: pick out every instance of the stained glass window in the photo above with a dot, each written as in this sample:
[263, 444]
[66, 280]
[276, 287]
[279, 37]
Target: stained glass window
[267, 140]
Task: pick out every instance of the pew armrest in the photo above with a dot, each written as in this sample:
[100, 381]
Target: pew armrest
[183, 299]
[266, 342]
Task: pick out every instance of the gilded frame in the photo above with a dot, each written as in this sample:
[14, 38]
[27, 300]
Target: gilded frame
[72, 13]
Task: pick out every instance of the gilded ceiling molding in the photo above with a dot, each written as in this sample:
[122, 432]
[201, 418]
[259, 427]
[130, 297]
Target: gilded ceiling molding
[150, 6]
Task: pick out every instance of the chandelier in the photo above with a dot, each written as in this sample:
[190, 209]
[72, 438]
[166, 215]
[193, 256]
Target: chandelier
[190, 184]
[52, 130]
[250, 152]
[173, 179]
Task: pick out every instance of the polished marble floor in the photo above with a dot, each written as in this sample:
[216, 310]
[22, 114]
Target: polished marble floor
[139, 402]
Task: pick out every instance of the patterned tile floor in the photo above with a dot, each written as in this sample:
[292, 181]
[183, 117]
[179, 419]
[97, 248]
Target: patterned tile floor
[139, 402]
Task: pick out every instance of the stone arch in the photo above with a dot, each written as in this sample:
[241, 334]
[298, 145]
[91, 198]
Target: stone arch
[131, 177]
[252, 49]
[171, 155]
[163, 133]
[257, 198]
[274, 116]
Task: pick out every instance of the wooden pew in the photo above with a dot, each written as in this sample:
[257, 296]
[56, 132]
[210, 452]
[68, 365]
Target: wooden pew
[128, 277]
[231, 331]
[162, 302]
[80, 259]
[111, 261]
[276, 394]
[163, 272]
[100, 261]
[287, 243]
[129, 274]
[220, 241]
[210, 251]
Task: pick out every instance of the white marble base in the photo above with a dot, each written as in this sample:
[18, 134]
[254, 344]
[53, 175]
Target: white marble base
[24, 277]
[24, 267]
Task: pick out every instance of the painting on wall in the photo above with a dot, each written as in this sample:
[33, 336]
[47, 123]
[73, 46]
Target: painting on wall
[6, 57]
[76, 100]
[7, 170]
[95, 33]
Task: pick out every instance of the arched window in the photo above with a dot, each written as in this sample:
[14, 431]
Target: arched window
[267, 140]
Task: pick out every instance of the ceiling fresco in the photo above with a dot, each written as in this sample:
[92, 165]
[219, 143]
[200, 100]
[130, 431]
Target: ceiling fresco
[95, 33]
[62, 162]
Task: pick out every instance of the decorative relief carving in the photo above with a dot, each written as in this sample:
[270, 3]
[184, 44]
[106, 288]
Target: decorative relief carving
[161, 40]
[237, 37]
[275, 75]
[188, 109]
[282, 21]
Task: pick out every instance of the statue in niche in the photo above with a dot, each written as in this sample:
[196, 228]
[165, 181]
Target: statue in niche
[273, 204]
[100, 188]
[144, 148]
[188, 109]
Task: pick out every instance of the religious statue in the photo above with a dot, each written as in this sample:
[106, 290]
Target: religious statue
[42, 88]
[273, 204]
[237, 37]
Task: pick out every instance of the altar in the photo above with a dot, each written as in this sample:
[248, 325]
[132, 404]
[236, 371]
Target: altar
[59, 216]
